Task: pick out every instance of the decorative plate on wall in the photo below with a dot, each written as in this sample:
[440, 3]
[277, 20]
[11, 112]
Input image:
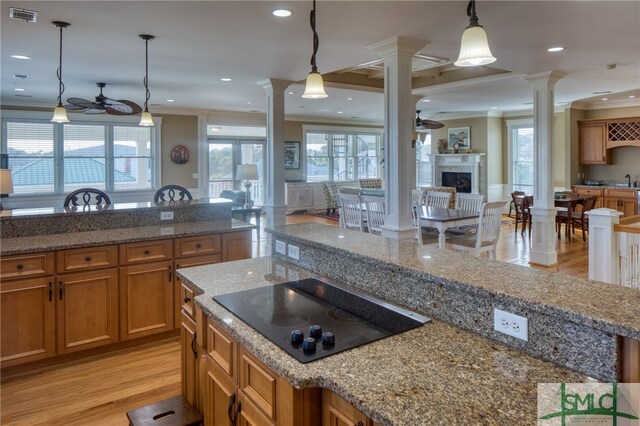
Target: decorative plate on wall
[180, 154]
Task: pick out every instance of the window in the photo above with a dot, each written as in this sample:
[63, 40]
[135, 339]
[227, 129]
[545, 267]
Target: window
[521, 155]
[342, 155]
[423, 166]
[48, 158]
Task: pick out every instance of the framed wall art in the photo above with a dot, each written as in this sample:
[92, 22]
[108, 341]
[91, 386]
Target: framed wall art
[460, 136]
[292, 155]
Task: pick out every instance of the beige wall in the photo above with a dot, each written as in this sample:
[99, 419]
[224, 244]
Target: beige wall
[478, 132]
[179, 130]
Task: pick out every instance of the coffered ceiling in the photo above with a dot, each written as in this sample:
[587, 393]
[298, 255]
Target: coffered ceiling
[198, 43]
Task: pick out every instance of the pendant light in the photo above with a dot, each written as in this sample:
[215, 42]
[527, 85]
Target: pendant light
[474, 47]
[146, 120]
[315, 87]
[60, 114]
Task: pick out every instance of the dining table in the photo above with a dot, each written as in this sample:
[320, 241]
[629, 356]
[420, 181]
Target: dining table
[443, 219]
[567, 201]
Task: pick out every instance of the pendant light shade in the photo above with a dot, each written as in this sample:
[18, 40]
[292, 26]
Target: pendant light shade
[60, 114]
[315, 86]
[146, 120]
[474, 47]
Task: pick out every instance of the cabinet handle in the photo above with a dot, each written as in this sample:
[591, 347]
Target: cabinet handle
[187, 299]
[60, 291]
[360, 423]
[198, 245]
[194, 347]
[232, 402]
[87, 259]
[146, 252]
[50, 291]
[170, 273]
[19, 266]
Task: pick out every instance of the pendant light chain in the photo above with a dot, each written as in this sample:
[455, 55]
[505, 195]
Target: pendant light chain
[316, 39]
[61, 87]
[146, 119]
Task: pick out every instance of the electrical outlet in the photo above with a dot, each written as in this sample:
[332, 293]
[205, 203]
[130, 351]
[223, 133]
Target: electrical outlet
[281, 247]
[511, 324]
[166, 215]
[294, 252]
[195, 176]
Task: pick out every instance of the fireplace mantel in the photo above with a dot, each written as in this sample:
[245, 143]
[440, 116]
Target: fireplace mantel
[461, 163]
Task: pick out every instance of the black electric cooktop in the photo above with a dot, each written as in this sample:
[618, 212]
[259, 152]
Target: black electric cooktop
[311, 319]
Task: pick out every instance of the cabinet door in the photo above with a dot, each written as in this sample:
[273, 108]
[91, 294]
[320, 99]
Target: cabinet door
[236, 246]
[611, 203]
[249, 414]
[146, 299]
[87, 310]
[593, 143]
[338, 412]
[628, 207]
[220, 397]
[27, 312]
[189, 359]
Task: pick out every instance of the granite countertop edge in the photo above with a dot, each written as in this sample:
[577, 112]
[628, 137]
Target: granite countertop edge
[86, 239]
[604, 324]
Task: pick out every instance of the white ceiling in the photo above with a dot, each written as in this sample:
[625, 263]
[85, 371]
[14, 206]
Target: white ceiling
[197, 43]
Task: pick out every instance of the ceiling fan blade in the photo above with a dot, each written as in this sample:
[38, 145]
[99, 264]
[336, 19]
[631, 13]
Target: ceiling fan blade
[123, 107]
[100, 110]
[83, 103]
[430, 124]
[74, 108]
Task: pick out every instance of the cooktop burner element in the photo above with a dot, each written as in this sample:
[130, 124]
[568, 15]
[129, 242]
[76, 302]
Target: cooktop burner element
[311, 319]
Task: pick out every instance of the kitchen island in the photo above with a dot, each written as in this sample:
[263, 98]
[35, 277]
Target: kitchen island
[455, 370]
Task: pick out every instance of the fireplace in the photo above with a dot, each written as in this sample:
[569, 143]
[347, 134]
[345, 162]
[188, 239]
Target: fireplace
[461, 181]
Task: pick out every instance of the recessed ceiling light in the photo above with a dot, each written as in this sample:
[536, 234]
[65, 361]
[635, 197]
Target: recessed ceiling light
[249, 103]
[226, 79]
[20, 57]
[340, 112]
[605, 99]
[631, 97]
[291, 93]
[323, 110]
[171, 100]
[494, 107]
[555, 49]
[281, 13]
[349, 99]
[19, 89]
[426, 100]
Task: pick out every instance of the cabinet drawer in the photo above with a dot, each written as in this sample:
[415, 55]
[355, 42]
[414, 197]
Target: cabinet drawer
[145, 252]
[87, 258]
[190, 246]
[589, 191]
[186, 301]
[620, 193]
[222, 349]
[30, 265]
[258, 383]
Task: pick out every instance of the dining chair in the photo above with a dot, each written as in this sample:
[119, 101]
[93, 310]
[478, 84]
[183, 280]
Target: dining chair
[351, 211]
[172, 193]
[469, 202]
[417, 201]
[527, 202]
[516, 203]
[580, 218]
[438, 199]
[374, 207]
[485, 239]
[87, 197]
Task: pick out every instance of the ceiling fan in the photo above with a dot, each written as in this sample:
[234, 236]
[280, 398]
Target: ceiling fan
[426, 124]
[102, 105]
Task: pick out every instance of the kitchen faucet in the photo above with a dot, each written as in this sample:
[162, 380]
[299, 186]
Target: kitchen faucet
[628, 180]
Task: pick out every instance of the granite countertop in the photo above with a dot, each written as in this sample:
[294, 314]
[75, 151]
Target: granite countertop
[434, 374]
[40, 243]
[616, 310]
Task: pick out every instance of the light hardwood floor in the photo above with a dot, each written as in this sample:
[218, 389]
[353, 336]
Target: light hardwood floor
[98, 391]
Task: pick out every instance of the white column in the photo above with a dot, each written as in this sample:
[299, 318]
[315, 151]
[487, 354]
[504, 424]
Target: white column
[274, 206]
[603, 245]
[399, 124]
[203, 155]
[543, 237]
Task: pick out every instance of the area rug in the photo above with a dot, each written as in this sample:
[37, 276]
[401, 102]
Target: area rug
[323, 214]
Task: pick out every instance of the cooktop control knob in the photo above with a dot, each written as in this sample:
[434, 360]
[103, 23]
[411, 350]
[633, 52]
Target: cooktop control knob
[328, 339]
[315, 331]
[309, 345]
[297, 336]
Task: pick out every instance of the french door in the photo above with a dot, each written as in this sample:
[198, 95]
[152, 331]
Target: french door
[224, 157]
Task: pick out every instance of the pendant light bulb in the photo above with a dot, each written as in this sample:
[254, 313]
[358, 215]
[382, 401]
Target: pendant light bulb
[59, 113]
[146, 120]
[314, 88]
[474, 46]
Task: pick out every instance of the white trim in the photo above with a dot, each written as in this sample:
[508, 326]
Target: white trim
[337, 128]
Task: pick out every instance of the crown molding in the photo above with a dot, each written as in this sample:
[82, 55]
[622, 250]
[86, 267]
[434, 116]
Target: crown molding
[623, 103]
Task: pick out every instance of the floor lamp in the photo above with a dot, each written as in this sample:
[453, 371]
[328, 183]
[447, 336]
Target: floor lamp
[247, 172]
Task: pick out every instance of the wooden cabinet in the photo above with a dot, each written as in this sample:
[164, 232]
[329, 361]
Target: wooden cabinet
[183, 296]
[146, 299]
[148, 251]
[84, 259]
[592, 142]
[588, 192]
[194, 246]
[189, 359]
[338, 412]
[26, 266]
[220, 397]
[87, 309]
[236, 246]
[623, 200]
[299, 196]
[27, 311]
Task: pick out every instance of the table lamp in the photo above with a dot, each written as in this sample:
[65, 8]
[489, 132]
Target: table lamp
[247, 172]
[6, 184]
